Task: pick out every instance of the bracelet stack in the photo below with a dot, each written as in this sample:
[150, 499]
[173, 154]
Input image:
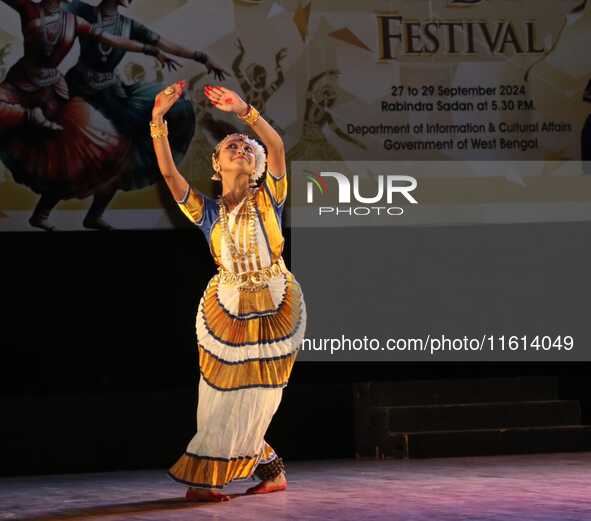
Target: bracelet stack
[158, 130]
[200, 57]
[251, 117]
[150, 50]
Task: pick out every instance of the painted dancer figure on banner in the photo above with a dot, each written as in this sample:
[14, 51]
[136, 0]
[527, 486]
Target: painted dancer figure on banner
[252, 316]
[128, 107]
[57, 145]
[254, 82]
[198, 158]
[313, 145]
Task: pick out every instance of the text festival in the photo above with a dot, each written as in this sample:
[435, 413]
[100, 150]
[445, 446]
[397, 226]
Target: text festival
[398, 36]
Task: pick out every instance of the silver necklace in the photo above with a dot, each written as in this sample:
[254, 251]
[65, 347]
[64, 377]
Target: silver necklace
[104, 49]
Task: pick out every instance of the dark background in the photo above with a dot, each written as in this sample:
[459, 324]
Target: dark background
[98, 365]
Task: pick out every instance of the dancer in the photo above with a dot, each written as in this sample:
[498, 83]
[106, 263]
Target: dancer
[58, 146]
[313, 146]
[254, 83]
[128, 107]
[251, 319]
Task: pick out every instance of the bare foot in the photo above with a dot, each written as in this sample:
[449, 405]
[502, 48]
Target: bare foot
[97, 224]
[44, 224]
[205, 495]
[269, 485]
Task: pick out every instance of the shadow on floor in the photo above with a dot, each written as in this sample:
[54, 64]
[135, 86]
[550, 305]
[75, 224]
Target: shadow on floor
[138, 507]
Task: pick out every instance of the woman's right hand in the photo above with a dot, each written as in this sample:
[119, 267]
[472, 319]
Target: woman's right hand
[165, 100]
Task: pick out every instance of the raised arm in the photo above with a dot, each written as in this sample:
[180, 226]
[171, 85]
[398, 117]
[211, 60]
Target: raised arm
[191, 202]
[164, 101]
[85, 30]
[228, 101]
[237, 68]
[279, 78]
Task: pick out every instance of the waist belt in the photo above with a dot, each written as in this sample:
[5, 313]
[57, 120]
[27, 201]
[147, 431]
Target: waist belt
[41, 76]
[252, 280]
[96, 79]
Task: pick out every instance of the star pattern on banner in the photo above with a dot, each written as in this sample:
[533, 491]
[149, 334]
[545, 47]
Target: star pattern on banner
[347, 36]
[301, 18]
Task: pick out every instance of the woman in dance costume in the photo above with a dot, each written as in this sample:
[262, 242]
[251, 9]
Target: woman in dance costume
[58, 146]
[251, 318]
[128, 107]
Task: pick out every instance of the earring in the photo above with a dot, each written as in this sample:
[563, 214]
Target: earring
[216, 167]
[253, 179]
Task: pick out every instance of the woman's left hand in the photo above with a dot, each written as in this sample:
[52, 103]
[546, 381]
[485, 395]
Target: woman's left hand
[225, 99]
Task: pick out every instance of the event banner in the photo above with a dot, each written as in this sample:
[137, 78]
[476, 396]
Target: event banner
[483, 104]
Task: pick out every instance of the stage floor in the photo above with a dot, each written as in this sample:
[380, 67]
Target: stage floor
[525, 488]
